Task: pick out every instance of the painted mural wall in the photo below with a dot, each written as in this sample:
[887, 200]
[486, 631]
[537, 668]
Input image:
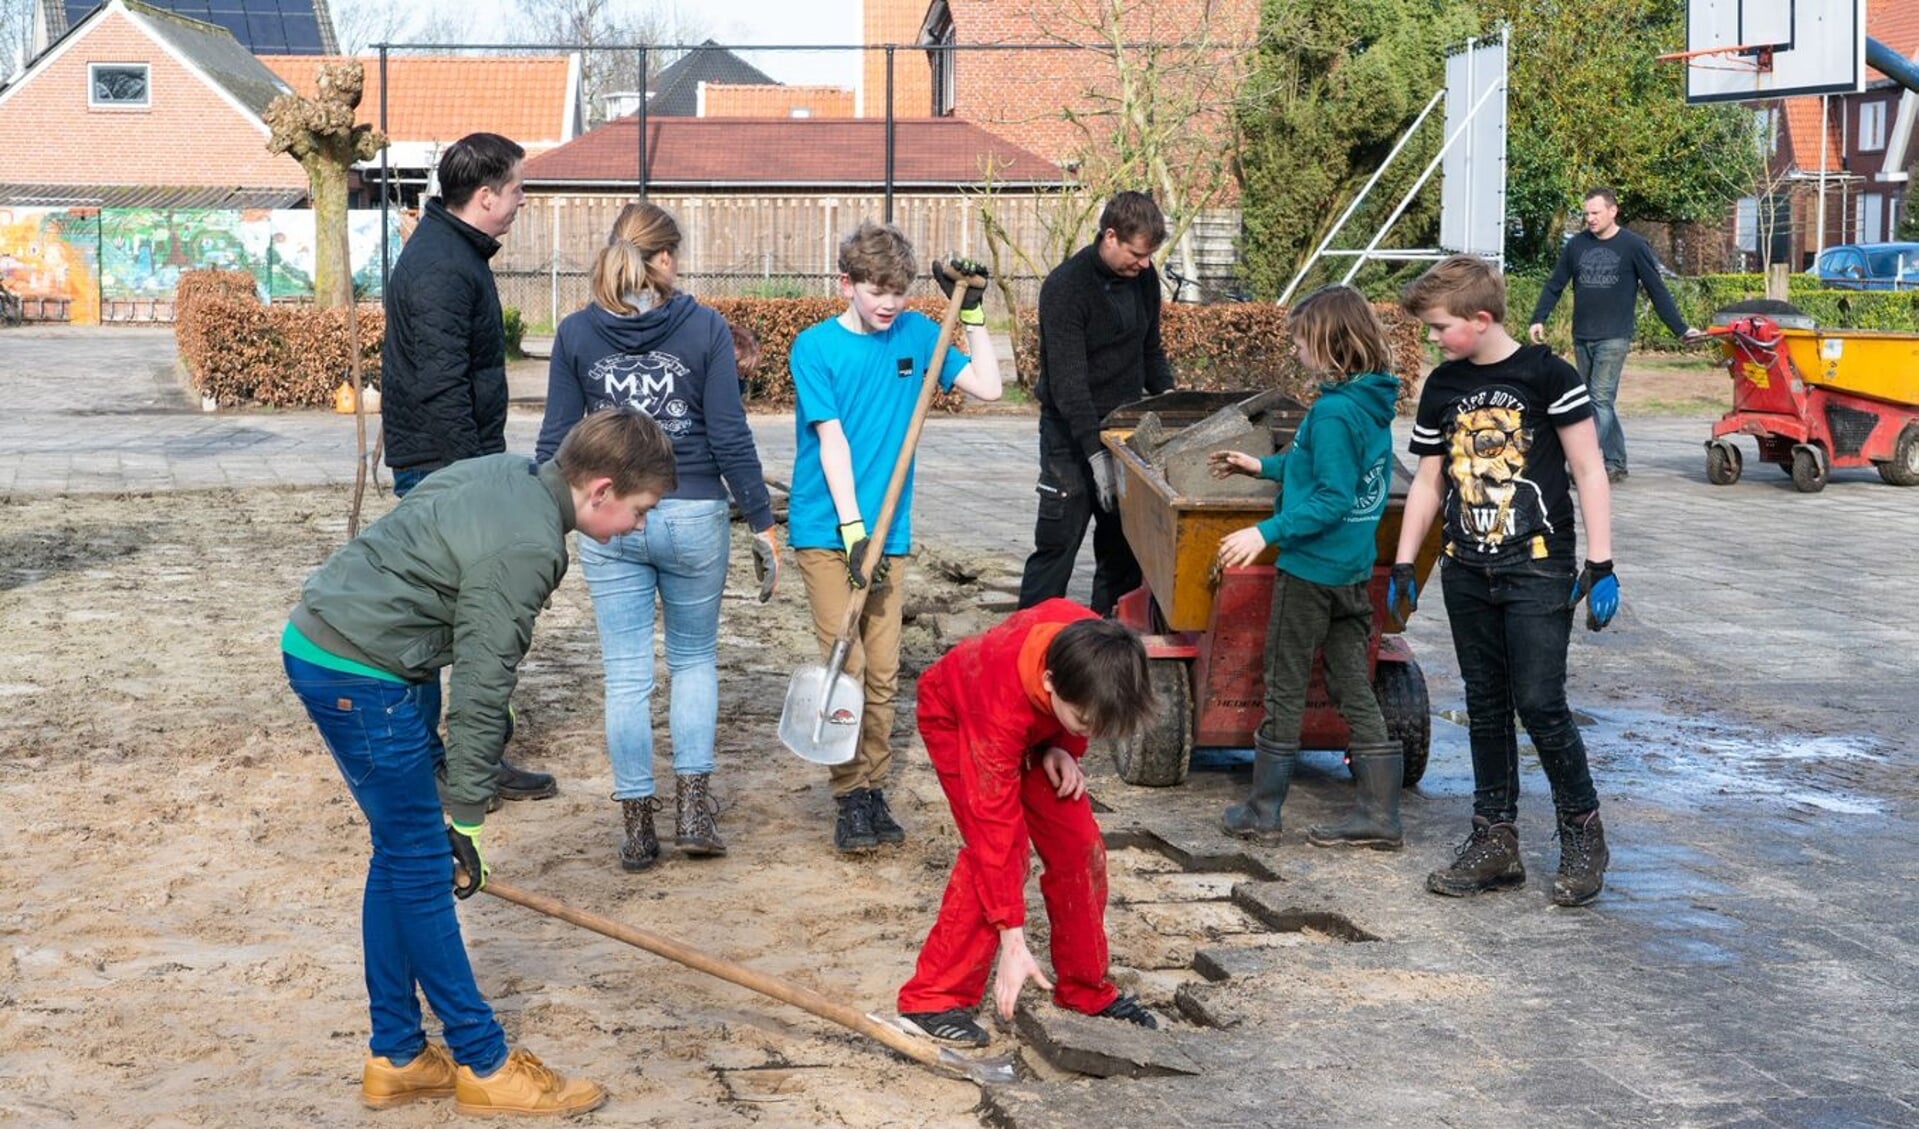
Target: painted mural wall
[89, 265]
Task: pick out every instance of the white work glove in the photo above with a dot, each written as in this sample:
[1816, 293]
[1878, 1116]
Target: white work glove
[1105, 486]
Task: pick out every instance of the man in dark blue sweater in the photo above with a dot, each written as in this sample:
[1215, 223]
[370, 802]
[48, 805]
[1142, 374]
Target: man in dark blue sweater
[1606, 265]
[1099, 348]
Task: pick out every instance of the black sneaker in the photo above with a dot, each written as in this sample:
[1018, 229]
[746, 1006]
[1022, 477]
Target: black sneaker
[1129, 1008]
[853, 831]
[1582, 860]
[954, 1026]
[885, 827]
[1487, 860]
[516, 783]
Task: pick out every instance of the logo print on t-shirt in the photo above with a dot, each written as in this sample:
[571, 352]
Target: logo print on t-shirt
[1497, 502]
[647, 381]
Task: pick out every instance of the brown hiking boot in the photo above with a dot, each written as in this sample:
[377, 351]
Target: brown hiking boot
[1582, 860]
[524, 1085]
[642, 846]
[1487, 860]
[429, 1075]
[695, 829]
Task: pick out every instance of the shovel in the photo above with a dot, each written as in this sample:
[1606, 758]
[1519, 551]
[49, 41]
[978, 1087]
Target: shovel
[986, 1071]
[821, 718]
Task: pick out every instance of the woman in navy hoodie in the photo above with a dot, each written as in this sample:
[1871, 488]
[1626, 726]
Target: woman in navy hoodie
[644, 344]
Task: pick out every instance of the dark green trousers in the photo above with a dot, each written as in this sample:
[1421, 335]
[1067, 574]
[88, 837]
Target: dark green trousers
[1309, 617]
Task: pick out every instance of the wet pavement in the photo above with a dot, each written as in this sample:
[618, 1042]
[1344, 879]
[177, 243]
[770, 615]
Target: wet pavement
[1750, 717]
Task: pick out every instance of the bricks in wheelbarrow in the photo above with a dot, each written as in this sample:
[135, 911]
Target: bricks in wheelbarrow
[1104, 1048]
[1245, 426]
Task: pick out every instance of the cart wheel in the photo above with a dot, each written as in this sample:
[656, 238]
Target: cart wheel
[1903, 468]
[1401, 690]
[1722, 464]
[1808, 470]
[1158, 755]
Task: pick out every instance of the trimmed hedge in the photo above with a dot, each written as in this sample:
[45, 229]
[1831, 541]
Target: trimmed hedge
[1232, 346]
[777, 321]
[242, 351]
[1701, 296]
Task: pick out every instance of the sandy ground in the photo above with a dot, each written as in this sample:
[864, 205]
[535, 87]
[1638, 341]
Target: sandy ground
[182, 864]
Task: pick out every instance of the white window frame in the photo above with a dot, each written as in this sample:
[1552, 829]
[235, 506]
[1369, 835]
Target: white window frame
[1872, 218]
[94, 102]
[1872, 126]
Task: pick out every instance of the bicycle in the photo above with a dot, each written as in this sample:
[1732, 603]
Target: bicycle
[1182, 286]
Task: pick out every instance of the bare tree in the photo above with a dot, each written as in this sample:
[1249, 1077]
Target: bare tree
[16, 36]
[603, 27]
[322, 135]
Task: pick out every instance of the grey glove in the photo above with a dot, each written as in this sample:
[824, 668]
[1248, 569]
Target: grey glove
[766, 561]
[1105, 482]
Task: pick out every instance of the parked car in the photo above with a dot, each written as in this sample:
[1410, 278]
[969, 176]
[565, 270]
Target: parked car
[1869, 266]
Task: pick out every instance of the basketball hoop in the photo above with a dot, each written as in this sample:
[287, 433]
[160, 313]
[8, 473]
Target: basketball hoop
[1752, 58]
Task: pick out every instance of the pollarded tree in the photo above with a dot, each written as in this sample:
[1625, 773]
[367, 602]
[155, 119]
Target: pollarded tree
[321, 134]
[1337, 82]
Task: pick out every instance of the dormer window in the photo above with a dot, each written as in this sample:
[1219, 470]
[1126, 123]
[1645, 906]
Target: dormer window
[118, 85]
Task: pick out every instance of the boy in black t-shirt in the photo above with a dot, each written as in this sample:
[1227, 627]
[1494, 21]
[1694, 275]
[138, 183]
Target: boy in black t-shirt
[1498, 425]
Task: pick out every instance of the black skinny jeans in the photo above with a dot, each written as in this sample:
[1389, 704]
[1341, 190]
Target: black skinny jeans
[1065, 507]
[1510, 631]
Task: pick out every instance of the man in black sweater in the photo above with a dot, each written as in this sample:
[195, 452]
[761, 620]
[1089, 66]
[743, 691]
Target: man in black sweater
[1606, 265]
[443, 365]
[1099, 348]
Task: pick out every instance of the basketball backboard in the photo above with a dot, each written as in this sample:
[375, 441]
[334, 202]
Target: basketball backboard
[1756, 50]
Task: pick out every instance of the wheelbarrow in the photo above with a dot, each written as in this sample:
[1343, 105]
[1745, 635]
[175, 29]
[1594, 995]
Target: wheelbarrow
[1817, 399]
[1205, 627]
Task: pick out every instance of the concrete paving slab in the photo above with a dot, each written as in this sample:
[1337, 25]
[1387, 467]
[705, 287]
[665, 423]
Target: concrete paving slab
[1108, 1048]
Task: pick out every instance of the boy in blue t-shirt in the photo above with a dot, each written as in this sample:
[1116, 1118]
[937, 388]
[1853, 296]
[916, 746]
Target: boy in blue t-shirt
[857, 379]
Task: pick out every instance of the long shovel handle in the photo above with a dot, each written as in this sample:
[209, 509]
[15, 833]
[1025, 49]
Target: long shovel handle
[803, 998]
[876, 533]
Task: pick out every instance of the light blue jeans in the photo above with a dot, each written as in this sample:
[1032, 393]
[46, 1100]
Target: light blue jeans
[1600, 363]
[680, 559]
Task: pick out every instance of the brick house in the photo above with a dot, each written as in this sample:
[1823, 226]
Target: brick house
[1841, 165]
[133, 96]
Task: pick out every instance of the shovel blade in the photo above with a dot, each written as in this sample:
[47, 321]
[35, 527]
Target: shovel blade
[821, 718]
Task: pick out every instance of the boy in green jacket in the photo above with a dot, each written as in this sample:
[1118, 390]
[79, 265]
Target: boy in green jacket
[454, 575]
[1334, 481]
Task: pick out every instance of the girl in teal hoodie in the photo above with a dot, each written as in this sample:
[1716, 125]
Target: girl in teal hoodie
[1334, 478]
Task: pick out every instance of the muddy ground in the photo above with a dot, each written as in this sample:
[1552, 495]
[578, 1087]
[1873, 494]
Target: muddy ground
[180, 865]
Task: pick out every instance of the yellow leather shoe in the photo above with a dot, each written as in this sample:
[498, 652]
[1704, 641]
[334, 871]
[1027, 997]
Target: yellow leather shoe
[429, 1075]
[524, 1085]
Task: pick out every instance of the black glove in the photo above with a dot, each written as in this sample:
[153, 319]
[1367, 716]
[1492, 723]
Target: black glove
[853, 537]
[465, 841]
[1402, 594]
[1600, 589]
[948, 274]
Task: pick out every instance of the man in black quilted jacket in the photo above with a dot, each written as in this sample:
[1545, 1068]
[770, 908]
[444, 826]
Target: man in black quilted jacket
[443, 367]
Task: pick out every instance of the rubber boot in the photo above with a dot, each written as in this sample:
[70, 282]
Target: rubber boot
[1258, 817]
[1378, 773]
[695, 830]
[641, 848]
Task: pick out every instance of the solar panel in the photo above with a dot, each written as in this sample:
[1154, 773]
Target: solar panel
[264, 27]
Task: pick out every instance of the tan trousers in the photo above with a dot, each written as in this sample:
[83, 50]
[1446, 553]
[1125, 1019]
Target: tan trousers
[874, 656]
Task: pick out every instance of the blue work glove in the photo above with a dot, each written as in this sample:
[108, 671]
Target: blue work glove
[465, 840]
[1600, 589]
[1402, 594]
[948, 274]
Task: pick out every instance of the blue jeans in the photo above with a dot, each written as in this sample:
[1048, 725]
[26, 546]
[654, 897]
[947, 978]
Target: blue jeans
[680, 559]
[382, 744]
[1600, 363]
[1510, 631]
[405, 480]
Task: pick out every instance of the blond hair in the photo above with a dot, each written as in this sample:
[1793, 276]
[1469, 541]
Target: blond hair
[623, 444]
[1341, 331]
[881, 254]
[1462, 285]
[625, 266]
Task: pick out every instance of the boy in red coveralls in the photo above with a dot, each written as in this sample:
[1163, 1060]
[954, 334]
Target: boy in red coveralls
[1005, 717]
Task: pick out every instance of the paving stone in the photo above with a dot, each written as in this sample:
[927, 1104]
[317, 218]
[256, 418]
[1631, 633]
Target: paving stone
[1104, 1048]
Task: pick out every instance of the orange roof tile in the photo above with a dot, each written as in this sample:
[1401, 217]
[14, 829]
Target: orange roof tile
[1802, 136]
[1894, 23]
[441, 98]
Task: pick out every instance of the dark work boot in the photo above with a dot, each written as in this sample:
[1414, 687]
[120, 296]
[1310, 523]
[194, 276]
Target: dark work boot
[885, 828]
[695, 829]
[1582, 859]
[642, 846]
[1258, 817]
[1378, 773]
[1487, 860]
[853, 829]
[516, 783]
